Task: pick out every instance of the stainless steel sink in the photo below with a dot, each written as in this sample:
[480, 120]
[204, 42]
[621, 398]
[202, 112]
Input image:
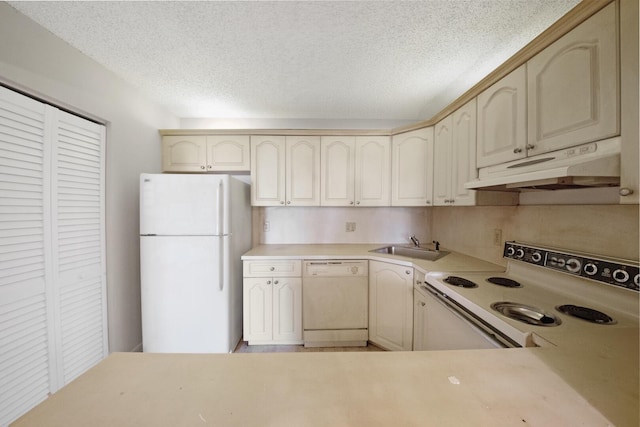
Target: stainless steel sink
[526, 313]
[411, 252]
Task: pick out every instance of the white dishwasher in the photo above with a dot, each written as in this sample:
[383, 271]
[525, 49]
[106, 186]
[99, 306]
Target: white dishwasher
[335, 303]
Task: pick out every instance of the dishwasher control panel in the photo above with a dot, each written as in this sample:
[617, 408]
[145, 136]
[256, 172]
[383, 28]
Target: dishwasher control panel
[335, 268]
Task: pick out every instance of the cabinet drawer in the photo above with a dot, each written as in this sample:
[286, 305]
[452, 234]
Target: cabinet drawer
[281, 268]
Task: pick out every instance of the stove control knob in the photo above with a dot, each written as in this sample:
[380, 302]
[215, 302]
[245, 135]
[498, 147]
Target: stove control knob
[590, 269]
[561, 262]
[536, 257]
[553, 260]
[620, 276]
[573, 265]
[636, 280]
[519, 253]
[510, 251]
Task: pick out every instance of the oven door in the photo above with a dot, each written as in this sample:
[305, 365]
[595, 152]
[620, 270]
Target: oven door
[441, 324]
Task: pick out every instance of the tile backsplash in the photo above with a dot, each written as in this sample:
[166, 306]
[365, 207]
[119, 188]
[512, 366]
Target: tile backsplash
[329, 225]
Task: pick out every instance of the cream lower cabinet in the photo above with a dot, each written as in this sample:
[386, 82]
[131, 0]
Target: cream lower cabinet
[272, 304]
[391, 305]
[412, 168]
[205, 153]
[455, 158]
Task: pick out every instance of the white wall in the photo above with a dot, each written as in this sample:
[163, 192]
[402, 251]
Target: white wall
[35, 61]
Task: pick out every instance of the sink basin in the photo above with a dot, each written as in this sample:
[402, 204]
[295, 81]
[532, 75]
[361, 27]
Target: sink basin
[526, 313]
[411, 252]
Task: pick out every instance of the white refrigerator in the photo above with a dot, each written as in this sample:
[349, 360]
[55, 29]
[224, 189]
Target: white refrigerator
[193, 231]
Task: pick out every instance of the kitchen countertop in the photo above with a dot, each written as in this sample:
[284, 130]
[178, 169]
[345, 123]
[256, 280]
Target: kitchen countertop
[451, 262]
[505, 387]
[586, 379]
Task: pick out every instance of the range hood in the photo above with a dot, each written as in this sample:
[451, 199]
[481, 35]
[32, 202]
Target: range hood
[596, 164]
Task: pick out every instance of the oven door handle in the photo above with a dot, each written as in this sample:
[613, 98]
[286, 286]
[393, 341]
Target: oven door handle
[479, 323]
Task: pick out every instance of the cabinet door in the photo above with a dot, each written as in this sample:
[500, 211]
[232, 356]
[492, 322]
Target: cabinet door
[502, 131]
[391, 305]
[267, 170]
[303, 171]
[228, 153]
[443, 166]
[373, 171]
[184, 153]
[287, 310]
[337, 171]
[573, 86]
[257, 309]
[463, 159]
[419, 319]
[412, 168]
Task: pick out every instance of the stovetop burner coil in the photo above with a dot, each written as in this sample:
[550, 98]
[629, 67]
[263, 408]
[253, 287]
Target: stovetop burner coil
[503, 281]
[460, 282]
[586, 313]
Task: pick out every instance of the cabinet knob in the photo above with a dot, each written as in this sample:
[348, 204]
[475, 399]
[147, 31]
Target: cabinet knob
[288, 202]
[408, 272]
[517, 150]
[428, 202]
[358, 202]
[282, 202]
[268, 282]
[626, 191]
[271, 268]
[202, 167]
[275, 282]
[209, 167]
[351, 202]
[530, 146]
[422, 304]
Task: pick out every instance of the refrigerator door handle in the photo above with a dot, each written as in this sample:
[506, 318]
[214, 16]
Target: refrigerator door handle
[220, 209]
[221, 263]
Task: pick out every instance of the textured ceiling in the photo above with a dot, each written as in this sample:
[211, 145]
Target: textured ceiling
[349, 60]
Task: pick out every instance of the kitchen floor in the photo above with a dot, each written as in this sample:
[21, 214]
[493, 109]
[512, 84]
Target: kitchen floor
[243, 347]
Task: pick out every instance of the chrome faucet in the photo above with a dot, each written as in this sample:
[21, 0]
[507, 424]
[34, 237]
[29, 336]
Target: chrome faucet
[414, 240]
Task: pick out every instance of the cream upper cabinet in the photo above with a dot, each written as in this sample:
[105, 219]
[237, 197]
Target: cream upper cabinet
[412, 168]
[285, 171]
[502, 115]
[573, 86]
[373, 171]
[355, 171]
[268, 154]
[205, 153]
[228, 153]
[184, 153]
[463, 159]
[338, 170]
[391, 305]
[443, 162]
[302, 179]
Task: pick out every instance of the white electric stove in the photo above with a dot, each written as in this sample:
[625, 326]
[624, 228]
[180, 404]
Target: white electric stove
[544, 294]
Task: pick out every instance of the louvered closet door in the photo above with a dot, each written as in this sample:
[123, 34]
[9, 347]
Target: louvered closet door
[78, 244]
[24, 257]
[52, 246]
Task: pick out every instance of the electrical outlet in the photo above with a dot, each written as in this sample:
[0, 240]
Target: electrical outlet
[350, 227]
[266, 226]
[497, 237]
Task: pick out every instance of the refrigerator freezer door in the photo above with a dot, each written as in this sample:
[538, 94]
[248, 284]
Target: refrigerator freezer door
[185, 295]
[184, 205]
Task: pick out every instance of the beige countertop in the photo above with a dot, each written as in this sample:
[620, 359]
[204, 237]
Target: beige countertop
[451, 262]
[504, 387]
[582, 379]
